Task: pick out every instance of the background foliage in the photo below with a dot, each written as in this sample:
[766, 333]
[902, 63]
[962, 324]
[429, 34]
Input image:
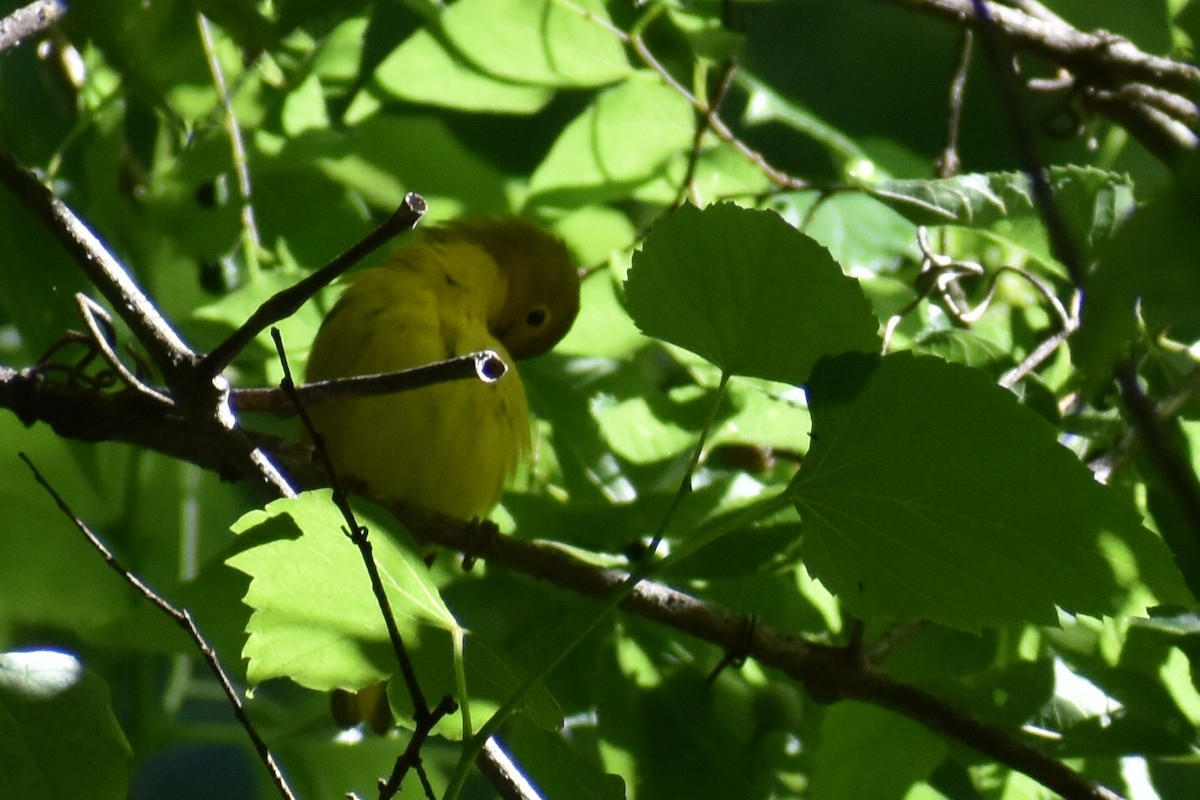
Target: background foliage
[932, 508]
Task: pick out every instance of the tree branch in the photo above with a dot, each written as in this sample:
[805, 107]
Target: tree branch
[1101, 58]
[829, 673]
[288, 301]
[31, 19]
[1103, 66]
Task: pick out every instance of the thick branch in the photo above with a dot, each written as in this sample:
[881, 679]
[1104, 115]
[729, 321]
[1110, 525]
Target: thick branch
[829, 673]
[76, 412]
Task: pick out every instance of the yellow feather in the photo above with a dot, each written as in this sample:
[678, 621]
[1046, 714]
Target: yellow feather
[503, 285]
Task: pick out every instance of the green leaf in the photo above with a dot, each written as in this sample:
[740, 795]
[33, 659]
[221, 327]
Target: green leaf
[765, 104]
[901, 752]
[561, 770]
[154, 46]
[58, 734]
[304, 108]
[315, 617]
[961, 346]
[423, 70]
[859, 231]
[930, 492]
[538, 41]
[748, 292]
[492, 678]
[706, 31]
[1150, 263]
[623, 139]
[1001, 205]
[722, 172]
[449, 174]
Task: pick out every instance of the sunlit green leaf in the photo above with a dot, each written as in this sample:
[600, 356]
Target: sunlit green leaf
[537, 41]
[313, 605]
[1091, 202]
[620, 141]
[748, 292]
[423, 70]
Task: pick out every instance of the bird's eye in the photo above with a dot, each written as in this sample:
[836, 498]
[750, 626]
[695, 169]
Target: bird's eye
[535, 318]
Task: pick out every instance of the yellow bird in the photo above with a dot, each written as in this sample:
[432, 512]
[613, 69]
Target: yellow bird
[503, 285]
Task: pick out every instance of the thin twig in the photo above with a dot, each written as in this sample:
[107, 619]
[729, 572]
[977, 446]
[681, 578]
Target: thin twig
[715, 122]
[183, 618]
[486, 366]
[1036, 358]
[1062, 243]
[1178, 108]
[504, 776]
[949, 163]
[91, 311]
[241, 165]
[288, 301]
[703, 125]
[411, 757]
[1166, 138]
[358, 535]
[424, 718]
[1173, 466]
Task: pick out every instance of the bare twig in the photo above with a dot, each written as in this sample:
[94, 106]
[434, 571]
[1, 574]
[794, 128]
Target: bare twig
[28, 20]
[486, 366]
[233, 130]
[1172, 465]
[949, 163]
[1178, 108]
[1036, 358]
[1167, 138]
[424, 718]
[183, 618]
[1100, 64]
[1099, 58]
[714, 120]
[288, 301]
[93, 314]
[503, 774]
